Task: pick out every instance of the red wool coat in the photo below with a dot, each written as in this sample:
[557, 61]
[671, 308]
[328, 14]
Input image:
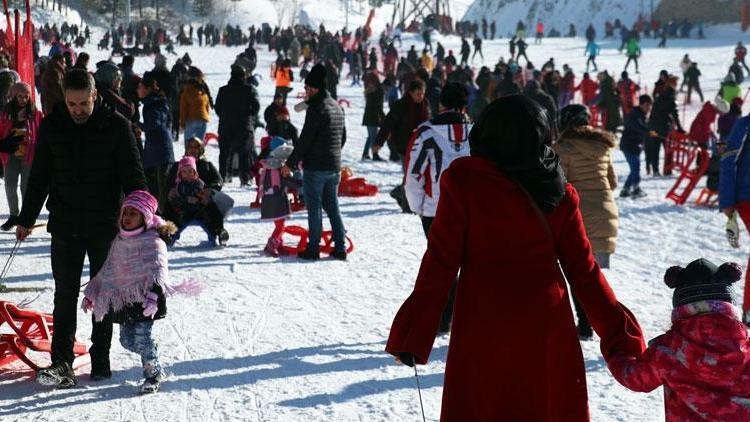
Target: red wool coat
[703, 361]
[514, 352]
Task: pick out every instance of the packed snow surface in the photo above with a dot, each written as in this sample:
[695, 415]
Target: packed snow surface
[284, 340]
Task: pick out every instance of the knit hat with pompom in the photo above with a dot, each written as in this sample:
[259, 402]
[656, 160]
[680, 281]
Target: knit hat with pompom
[702, 280]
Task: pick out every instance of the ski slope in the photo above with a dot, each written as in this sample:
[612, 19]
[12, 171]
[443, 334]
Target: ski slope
[283, 340]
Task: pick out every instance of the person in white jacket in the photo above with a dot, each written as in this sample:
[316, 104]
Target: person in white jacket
[434, 145]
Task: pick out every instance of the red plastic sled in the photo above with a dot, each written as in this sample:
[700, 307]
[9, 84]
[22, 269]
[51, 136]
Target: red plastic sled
[680, 156]
[31, 331]
[357, 186]
[208, 137]
[302, 233]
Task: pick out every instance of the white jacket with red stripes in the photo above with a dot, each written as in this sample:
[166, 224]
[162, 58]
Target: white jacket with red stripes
[432, 148]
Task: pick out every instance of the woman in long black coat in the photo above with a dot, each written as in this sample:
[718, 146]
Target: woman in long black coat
[373, 116]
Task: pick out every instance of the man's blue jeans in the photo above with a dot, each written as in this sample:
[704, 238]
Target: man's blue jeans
[634, 162]
[321, 189]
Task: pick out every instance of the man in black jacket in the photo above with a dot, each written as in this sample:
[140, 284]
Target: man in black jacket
[86, 159]
[236, 105]
[664, 117]
[319, 149]
[634, 134]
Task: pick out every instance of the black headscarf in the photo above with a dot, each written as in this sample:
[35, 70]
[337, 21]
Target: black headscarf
[514, 132]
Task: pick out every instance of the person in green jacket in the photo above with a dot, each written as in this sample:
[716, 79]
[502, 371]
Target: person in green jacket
[730, 89]
[633, 51]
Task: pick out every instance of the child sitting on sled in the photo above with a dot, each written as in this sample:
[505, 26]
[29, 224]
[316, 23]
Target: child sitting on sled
[703, 360]
[189, 199]
[274, 193]
[133, 283]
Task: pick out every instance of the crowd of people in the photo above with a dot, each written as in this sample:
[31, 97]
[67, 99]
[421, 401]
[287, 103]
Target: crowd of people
[504, 152]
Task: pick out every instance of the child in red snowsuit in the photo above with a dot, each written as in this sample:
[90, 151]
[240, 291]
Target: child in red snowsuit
[588, 88]
[703, 361]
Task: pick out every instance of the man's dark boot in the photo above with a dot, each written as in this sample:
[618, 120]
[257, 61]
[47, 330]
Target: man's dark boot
[59, 374]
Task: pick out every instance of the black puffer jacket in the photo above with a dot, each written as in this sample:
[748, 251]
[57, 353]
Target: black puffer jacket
[664, 113]
[322, 137]
[237, 105]
[85, 169]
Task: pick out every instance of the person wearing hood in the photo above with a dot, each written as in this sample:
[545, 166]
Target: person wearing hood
[19, 127]
[85, 159]
[702, 359]
[237, 106]
[319, 150]
[158, 153]
[109, 80]
[586, 159]
[506, 213]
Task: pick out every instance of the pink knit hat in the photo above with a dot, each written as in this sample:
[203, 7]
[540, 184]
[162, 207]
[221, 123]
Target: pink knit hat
[185, 162]
[146, 204]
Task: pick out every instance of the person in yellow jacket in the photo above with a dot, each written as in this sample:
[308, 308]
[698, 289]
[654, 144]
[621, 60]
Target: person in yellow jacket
[427, 61]
[195, 105]
[283, 76]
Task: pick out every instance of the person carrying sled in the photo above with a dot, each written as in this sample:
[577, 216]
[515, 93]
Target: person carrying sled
[85, 159]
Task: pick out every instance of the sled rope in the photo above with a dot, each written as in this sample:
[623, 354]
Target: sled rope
[9, 261]
[419, 390]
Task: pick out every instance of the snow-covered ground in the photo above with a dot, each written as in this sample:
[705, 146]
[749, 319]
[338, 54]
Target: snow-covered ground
[283, 340]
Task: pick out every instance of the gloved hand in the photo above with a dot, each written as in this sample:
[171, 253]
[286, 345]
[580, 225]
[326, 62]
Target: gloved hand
[733, 231]
[10, 144]
[406, 358]
[87, 305]
[150, 305]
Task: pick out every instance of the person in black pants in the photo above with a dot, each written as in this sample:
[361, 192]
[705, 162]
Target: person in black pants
[86, 159]
[237, 106]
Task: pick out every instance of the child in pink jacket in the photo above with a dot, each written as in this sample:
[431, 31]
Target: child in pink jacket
[703, 361]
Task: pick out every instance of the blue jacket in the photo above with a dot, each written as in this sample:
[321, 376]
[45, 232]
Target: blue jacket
[734, 179]
[592, 49]
[157, 121]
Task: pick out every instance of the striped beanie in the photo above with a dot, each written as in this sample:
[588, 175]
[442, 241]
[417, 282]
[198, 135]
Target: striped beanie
[146, 204]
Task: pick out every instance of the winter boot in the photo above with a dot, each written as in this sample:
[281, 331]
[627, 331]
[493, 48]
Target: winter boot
[625, 192]
[376, 157]
[584, 332]
[58, 375]
[100, 369]
[637, 193]
[733, 231]
[8, 225]
[152, 378]
[223, 237]
[272, 247]
[308, 255]
[340, 255]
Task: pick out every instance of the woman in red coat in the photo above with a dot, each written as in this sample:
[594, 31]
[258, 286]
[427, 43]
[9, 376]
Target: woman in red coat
[505, 218]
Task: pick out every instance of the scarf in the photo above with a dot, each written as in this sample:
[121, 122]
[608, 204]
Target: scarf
[133, 265]
[514, 132]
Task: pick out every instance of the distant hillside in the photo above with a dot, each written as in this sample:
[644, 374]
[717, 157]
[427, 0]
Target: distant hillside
[558, 14]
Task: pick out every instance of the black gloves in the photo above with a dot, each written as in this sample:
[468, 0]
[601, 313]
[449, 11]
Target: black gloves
[406, 358]
[10, 144]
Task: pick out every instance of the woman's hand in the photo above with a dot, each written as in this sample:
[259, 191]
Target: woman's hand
[405, 358]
